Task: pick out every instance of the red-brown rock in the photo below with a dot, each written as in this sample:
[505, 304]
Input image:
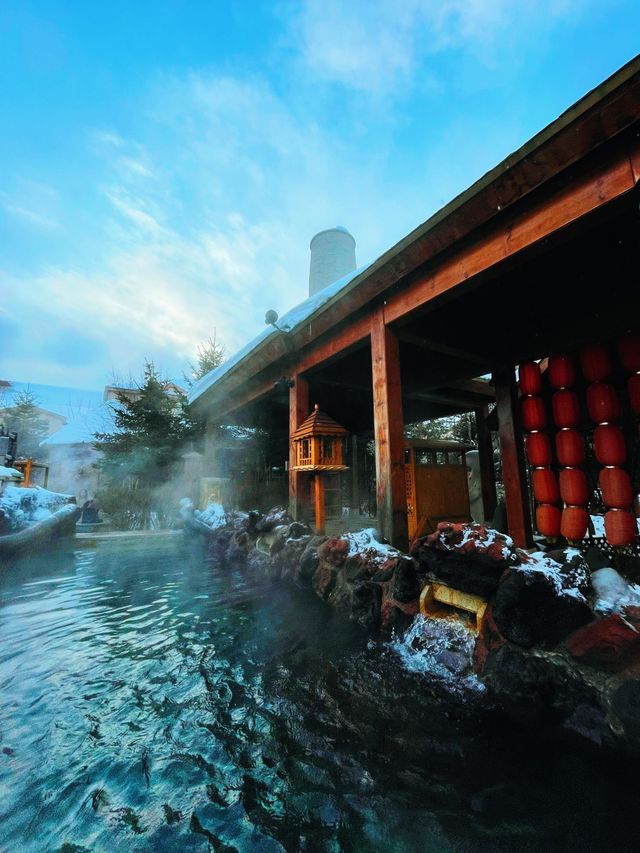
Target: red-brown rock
[334, 551]
[611, 643]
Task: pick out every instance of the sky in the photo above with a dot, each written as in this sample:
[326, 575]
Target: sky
[163, 165]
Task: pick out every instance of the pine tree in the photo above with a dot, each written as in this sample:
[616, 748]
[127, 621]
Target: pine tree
[24, 419]
[209, 356]
[151, 427]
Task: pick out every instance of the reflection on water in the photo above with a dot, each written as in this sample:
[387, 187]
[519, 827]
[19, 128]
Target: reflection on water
[154, 702]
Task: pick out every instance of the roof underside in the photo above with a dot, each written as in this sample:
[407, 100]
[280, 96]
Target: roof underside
[596, 119]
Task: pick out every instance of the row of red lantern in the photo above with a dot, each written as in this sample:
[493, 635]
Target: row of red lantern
[595, 363]
[610, 450]
[603, 406]
[572, 522]
[571, 487]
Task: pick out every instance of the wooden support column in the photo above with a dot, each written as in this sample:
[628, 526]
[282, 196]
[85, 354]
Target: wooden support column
[298, 481]
[487, 469]
[318, 497]
[389, 432]
[513, 464]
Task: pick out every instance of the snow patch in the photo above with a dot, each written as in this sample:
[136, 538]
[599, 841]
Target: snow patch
[613, 593]
[482, 537]
[564, 582]
[213, 516]
[20, 507]
[10, 474]
[366, 543]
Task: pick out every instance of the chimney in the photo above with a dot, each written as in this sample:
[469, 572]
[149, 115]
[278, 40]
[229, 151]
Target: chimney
[333, 255]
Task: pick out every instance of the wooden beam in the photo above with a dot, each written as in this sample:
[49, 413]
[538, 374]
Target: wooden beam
[596, 186]
[443, 349]
[487, 468]
[389, 432]
[338, 344]
[298, 480]
[476, 386]
[447, 396]
[513, 465]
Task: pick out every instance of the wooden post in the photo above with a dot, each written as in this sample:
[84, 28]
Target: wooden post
[318, 494]
[513, 465]
[298, 411]
[487, 469]
[389, 432]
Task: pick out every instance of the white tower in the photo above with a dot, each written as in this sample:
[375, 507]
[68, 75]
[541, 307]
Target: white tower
[333, 255]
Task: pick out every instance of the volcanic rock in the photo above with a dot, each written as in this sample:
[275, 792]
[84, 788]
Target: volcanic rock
[540, 603]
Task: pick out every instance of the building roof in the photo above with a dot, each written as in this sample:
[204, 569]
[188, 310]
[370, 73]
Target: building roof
[318, 424]
[84, 410]
[595, 119]
[291, 321]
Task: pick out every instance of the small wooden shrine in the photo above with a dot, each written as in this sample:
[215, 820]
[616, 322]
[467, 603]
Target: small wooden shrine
[319, 448]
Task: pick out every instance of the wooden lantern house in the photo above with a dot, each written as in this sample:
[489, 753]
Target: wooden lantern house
[319, 449]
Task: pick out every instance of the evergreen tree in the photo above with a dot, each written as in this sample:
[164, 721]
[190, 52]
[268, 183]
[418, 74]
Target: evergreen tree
[23, 418]
[209, 356]
[151, 427]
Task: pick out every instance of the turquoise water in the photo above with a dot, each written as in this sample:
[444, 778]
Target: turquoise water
[157, 702]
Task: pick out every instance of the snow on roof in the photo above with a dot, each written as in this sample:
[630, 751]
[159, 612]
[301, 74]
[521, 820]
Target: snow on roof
[288, 323]
[83, 409]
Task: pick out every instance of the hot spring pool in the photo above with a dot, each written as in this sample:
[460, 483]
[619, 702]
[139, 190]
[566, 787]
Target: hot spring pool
[151, 701]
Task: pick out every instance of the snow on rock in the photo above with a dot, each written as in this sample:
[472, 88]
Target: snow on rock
[567, 580]
[20, 507]
[367, 544]
[213, 516]
[613, 593]
[471, 538]
[10, 474]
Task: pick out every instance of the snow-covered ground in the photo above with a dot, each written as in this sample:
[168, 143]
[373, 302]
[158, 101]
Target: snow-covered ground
[20, 507]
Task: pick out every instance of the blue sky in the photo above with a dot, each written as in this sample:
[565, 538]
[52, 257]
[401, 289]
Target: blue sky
[163, 165]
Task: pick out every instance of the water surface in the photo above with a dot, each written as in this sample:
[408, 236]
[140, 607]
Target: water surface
[155, 702]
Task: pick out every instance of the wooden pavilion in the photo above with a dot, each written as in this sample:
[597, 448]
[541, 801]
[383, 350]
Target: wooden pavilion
[540, 255]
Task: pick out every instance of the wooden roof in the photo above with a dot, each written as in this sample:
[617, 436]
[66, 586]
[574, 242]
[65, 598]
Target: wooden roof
[548, 183]
[318, 424]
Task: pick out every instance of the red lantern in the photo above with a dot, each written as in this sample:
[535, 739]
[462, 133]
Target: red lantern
[539, 449]
[575, 520]
[534, 414]
[529, 378]
[629, 352]
[615, 485]
[548, 520]
[609, 445]
[545, 486]
[570, 448]
[573, 486]
[633, 387]
[620, 527]
[603, 403]
[595, 362]
[566, 409]
[562, 371]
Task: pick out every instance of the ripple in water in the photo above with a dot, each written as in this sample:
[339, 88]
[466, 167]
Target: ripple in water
[154, 702]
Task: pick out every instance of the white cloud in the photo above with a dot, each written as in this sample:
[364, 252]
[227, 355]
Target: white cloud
[381, 45]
